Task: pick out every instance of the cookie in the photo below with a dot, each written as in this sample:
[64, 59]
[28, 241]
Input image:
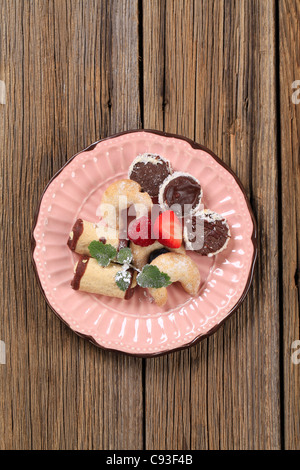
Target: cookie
[84, 232]
[206, 233]
[150, 170]
[121, 195]
[180, 268]
[180, 192]
[90, 277]
[140, 254]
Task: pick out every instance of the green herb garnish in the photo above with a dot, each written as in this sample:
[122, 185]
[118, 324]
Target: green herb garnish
[124, 256]
[123, 279]
[102, 253]
[151, 276]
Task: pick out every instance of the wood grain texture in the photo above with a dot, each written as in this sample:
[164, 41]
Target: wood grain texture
[220, 89]
[289, 67]
[236, 117]
[170, 94]
[219, 72]
[70, 68]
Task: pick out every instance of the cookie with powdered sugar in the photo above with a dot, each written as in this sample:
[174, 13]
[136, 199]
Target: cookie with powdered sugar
[141, 254]
[180, 268]
[180, 192]
[206, 233]
[150, 170]
[84, 232]
[90, 277]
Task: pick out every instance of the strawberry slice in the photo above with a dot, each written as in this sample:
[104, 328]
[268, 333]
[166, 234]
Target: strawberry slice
[139, 231]
[168, 230]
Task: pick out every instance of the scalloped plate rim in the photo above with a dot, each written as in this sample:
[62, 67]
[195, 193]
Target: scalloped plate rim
[199, 337]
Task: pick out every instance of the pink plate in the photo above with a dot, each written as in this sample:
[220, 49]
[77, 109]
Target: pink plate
[137, 326]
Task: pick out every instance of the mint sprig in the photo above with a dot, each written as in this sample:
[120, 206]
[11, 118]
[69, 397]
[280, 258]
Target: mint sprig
[123, 279]
[151, 276]
[124, 256]
[102, 253]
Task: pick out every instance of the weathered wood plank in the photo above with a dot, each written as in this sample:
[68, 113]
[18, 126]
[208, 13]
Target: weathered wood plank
[154, 63]
[169, 101]
[289, 62]
[70, 69]
[239, 107]
[219, 88]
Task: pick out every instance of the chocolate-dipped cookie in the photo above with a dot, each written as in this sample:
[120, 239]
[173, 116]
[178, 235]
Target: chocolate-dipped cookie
[206, 233]
[84, 232]
[89, 276]
[150, 171]
[180, 192]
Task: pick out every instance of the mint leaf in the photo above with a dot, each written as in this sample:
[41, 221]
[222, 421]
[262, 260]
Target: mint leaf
[124, 256]
[123, 279]
[102, 253]
[151, 276]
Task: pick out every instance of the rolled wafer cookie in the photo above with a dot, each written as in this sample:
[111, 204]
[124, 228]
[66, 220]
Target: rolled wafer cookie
[84, 232]
[180, 268]
[140, 254]
[89, 276]
[121, 195]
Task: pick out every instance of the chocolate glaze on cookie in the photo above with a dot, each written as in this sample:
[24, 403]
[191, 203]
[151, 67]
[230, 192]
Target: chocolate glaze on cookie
[76, 233]
[80, 270]
[150, 171]
[180, 190]
[206, 233]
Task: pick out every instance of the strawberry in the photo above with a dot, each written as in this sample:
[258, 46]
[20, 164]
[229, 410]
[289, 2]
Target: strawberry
[139, 231]
[168, 230]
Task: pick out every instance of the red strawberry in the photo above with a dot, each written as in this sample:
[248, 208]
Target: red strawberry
[139, 231]
[167, 229]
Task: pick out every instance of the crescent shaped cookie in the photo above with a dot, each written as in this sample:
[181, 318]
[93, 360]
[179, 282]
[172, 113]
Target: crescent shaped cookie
[180, 268]
[140, 254]
[119, 196]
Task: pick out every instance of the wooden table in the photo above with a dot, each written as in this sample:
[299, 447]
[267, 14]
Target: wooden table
[220, 72]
